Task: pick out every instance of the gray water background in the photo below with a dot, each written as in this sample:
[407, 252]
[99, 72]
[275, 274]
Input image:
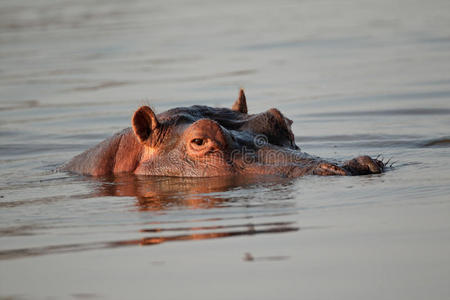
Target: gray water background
[357, 77]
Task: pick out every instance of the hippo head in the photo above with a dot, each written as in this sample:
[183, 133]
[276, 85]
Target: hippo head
[201, 141]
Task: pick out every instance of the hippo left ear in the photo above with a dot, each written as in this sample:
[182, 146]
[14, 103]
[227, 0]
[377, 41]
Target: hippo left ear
[144, 123]
[241, 103]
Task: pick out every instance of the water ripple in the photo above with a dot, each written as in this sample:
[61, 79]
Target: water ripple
[247, 229]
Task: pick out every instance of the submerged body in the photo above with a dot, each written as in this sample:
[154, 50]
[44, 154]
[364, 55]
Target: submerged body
[201, 141]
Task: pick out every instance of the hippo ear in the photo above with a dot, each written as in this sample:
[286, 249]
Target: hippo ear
[241, 104]
[144, 122]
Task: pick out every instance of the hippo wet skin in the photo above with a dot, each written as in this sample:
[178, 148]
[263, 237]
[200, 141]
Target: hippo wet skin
[202, 141]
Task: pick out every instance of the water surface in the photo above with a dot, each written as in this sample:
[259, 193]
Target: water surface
[357, 77]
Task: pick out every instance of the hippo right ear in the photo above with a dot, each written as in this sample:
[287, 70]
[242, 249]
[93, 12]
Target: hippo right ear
[144, 123]
[241, 103]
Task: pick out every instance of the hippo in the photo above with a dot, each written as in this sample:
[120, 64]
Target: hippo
[203, 141]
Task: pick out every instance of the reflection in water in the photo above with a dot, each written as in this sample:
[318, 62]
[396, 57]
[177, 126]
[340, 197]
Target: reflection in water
[442, 142]
[146, 241]
[206, 236]
[155, 194]
[158, 193]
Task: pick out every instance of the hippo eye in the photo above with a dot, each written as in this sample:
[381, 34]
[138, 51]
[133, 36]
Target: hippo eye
[198, 142]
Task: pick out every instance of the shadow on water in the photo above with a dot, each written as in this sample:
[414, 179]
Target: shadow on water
[161, 194]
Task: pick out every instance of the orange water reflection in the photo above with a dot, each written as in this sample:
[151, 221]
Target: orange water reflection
[161, 194]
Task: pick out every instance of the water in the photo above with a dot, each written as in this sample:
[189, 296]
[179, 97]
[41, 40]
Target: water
[357, 77]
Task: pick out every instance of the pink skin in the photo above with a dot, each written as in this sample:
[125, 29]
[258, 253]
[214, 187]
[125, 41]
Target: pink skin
[201, 141]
